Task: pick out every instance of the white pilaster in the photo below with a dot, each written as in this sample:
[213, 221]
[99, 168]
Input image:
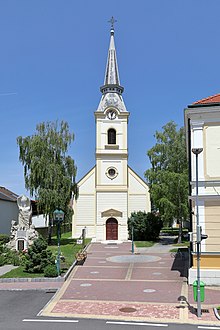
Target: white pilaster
[197, 142]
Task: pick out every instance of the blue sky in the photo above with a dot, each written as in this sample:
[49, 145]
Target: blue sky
[52, 63]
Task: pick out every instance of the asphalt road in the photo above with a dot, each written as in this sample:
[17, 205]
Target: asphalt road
[19, 310]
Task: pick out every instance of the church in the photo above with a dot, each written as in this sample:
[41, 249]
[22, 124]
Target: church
[111, 190]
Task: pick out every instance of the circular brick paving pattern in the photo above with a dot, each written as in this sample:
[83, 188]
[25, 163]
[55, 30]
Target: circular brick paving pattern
[133, 259]
[149, 290]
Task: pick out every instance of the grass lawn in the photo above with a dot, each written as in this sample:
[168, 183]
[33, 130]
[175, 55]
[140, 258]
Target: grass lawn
[68, 248]
[185, 244]
[181, 246]
[144, 243]
[19, 272]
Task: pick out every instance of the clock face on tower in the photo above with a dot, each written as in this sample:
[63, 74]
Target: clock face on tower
[111, 114]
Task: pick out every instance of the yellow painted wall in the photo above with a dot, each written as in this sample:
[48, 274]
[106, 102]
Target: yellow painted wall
[207, 261]
[212, 225]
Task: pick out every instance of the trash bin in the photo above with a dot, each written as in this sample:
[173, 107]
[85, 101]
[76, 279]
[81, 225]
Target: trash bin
[202, 290]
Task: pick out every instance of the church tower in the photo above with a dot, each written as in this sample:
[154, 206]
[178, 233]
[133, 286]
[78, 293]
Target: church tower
[111, 190]
[112, 151]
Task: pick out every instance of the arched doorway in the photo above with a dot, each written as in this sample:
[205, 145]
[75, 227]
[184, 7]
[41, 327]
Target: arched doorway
[111, 229]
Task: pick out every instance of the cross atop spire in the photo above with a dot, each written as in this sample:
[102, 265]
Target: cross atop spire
[112, 21]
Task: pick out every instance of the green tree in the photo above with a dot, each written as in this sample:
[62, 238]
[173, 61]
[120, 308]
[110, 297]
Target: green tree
[146, 226]
[168, 176]
[48, 171]
[38, 257]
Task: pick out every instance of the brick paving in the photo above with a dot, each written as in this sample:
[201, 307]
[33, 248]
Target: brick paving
[115, 285]
[142, 312]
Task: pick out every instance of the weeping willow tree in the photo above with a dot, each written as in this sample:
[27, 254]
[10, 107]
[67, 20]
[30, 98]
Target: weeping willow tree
[49, 172]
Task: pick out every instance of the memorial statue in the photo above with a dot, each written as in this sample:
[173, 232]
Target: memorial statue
[24, 233]
[25, 212]
[32, 234]
[14, 228]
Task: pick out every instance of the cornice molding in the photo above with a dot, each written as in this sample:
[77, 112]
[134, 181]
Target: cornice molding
[111, 213]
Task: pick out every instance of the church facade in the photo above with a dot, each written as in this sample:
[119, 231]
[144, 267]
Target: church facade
[111, 190]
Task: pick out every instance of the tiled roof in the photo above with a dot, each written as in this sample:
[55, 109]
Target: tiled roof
[7, 195]
[209, 100]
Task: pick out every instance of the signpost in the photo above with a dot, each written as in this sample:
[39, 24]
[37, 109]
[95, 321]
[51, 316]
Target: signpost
[58, 218]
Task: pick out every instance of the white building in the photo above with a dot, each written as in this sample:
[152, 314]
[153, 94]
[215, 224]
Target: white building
[40, 221]
[202, 122]
[8, 209]
[111, 190]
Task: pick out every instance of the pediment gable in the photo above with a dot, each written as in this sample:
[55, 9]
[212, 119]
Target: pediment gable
[111, 213]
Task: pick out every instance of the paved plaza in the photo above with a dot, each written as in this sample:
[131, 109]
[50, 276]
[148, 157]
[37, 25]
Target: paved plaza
[148, 286]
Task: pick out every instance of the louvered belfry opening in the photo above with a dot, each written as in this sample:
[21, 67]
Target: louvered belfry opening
[111, 136]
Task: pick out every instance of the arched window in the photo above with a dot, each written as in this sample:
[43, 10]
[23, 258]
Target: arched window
[111, 136]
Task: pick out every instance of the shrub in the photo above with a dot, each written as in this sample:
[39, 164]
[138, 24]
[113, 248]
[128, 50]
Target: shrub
[173, 231]
[50, 271]
[38, 257]
[4, 238]
[2, 260]
[146, 226]
[9, 256]
[16, 259]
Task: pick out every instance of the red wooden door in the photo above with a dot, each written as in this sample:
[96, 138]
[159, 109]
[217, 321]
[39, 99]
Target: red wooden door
[111, 229]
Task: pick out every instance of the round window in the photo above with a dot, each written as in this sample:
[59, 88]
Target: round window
[111, 173]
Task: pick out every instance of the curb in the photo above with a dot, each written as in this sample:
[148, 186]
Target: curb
[69, 271]
[30, 279]
[39, 279]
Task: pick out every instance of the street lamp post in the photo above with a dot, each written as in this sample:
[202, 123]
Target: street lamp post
[132, 235]
[58, 218]
[196, 152]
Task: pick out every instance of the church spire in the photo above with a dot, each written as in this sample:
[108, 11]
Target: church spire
[111, 81]
[112, 90]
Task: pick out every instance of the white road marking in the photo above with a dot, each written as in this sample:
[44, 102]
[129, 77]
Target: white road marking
[145, 324]
[210, 328]
[55, 321]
